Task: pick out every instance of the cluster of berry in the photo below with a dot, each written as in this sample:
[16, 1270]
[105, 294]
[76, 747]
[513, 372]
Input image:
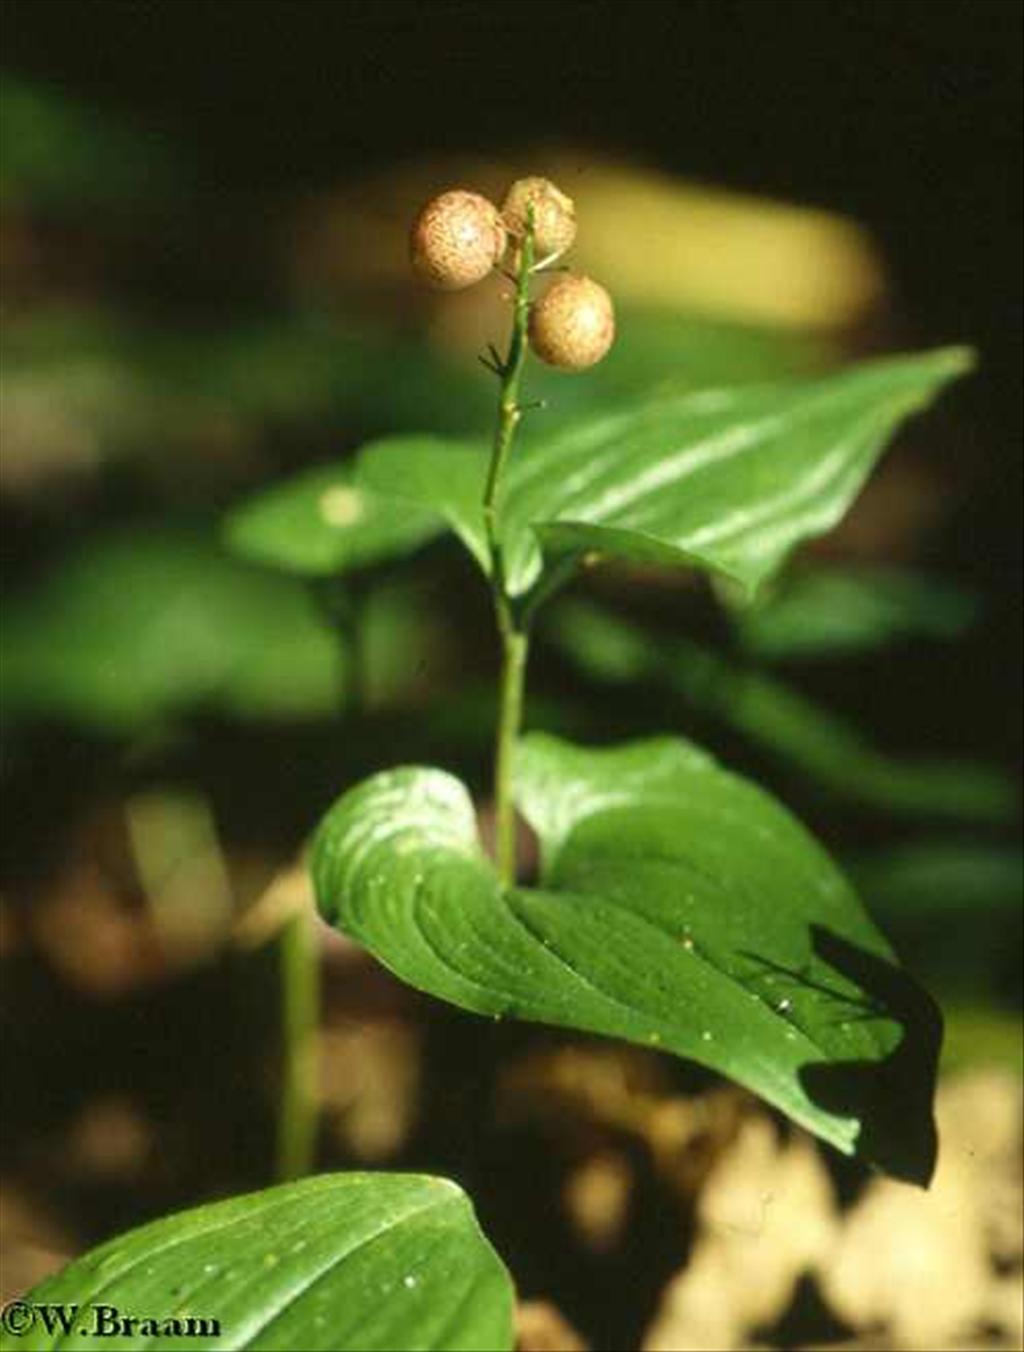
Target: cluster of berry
[460, 237]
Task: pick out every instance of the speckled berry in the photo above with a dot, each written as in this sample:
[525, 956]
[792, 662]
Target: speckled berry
[573, 324]
[457, 239]
[554, 215]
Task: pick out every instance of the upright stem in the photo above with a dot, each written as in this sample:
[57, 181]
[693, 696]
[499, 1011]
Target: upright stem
[514, 640]
[515, 646]
[300, 999]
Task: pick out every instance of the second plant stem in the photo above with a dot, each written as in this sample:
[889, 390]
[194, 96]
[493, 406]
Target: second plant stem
[298, 957]
[514, 638]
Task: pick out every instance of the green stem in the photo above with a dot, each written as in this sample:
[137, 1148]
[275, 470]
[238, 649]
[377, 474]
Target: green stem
[343, 605]
[300, 1000]
[515, 646]
[514, 640]
[509, 409]
[299, 970]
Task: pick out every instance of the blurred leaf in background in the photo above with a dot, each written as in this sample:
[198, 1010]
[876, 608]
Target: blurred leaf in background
[139, 624]
[779, 719]
[144, 623]
[832, 611]
[61, 154]
[80, 386]
[954, 904]
[319, 523]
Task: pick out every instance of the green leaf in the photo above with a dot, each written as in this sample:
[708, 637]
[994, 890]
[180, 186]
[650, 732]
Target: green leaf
[729, 481]
[138, 624]
[780, 719]
[822, 612]
[343, 1261]
[724, 480]
[319, 523]
[678, 906]
[445, 477]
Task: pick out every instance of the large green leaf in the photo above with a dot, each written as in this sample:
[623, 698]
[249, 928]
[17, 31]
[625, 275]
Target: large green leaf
[140, 623]
[679, 906]
[781, 720]
[343, 1261]
[726, 480]
[319, 523]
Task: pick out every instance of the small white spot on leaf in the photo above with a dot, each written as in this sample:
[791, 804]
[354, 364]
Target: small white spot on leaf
[341, 505]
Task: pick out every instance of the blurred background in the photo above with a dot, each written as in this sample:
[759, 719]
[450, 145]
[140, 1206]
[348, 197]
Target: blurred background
[203, 210]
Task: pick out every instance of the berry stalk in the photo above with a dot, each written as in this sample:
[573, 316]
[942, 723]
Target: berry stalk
[514, 640]
[509, 408]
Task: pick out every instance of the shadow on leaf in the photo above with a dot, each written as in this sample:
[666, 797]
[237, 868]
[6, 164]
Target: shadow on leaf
[891, 1097]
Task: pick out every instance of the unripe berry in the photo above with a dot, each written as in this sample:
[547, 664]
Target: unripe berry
[554, 215]
[457, 239]
[573, 324]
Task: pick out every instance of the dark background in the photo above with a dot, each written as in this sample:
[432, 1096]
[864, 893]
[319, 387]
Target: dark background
[904, 115]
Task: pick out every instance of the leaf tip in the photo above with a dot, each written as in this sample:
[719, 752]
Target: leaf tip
[959, 359]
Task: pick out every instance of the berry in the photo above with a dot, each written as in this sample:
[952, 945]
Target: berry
[573, 324]
[554, 215]
[457, 239]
